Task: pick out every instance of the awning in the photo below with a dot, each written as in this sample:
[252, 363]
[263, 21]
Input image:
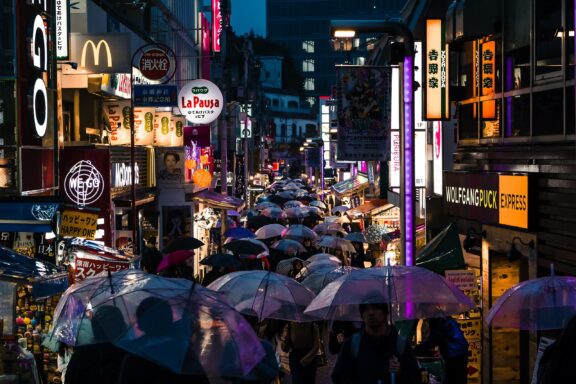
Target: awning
[442, 252]
[27, 216]
[347, 187]
[217, 200]
[373, 206]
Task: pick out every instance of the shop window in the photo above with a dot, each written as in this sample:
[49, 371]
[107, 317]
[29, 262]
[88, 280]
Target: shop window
[548, 112]
[517, 116]
[468, 121]
[463, 70]
[491, 116]
[516, 45]
[548, 41]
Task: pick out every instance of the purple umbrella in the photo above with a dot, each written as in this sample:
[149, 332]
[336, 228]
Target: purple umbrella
[239, 233]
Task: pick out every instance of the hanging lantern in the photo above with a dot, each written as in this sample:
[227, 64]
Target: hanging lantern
[202, 178]
[190, 164]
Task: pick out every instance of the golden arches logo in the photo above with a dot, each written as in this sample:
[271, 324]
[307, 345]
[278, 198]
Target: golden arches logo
[96, 53]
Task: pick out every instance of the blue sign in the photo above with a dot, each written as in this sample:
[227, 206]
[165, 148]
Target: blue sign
[156, 95]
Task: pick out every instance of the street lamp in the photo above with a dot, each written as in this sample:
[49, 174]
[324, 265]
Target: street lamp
[400, 33]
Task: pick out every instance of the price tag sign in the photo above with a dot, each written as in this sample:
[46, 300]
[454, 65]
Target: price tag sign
[79, 224]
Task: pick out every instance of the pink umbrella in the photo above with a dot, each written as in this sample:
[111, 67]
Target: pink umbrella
[174, 258]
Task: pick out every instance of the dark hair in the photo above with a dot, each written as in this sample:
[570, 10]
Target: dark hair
[154, 316]
[382, 306]
[176, 156]
[108, 323]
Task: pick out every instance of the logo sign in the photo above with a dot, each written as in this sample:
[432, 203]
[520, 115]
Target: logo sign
[84, 184]
[78, 224]
[436, 105]
[117, 84]
[200, 101]
[217, 25]
[122, 175]
[488, 198]
[61, 10]
[155, 95]
[106, 53]
[156, 62]
[488, 83]
[39, 57]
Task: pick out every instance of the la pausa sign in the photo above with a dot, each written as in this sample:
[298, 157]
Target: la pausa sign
[488, 198]
[200, 101]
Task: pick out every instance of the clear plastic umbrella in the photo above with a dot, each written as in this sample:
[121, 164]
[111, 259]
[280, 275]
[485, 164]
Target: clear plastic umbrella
[320, 278]
[270, 230]
[299, 232]
[289, 247]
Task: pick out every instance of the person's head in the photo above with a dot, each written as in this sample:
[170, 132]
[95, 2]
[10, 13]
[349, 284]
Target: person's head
[297, 265]
[374, 315]
[307, 242]
[154, 316]
[108, 323]
[152, 241]
[171, 160]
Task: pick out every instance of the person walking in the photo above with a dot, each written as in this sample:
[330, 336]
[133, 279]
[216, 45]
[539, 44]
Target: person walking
[556, 363]
[302, 341]
[151, 256]
[377, 353]
[445, 333]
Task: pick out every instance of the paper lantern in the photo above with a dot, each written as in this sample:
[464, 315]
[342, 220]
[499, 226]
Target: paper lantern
[190, 164]
[202, 178]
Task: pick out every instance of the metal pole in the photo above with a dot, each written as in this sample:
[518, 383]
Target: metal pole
[135, 243]
[246, 168]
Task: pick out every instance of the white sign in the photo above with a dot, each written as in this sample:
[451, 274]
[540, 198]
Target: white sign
[437, 157]
[61, 29]
[122, 176]
[394, 166]
[39, 52]
[83, 184]
[464, 279]
[200, 101]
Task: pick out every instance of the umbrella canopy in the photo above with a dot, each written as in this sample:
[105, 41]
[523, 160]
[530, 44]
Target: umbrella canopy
[266, 295]
[340, 208]
[411, 292]
[336, 243]
[320, 278]
[374, 233]
[174, 258]
[356, 237]
[247, 246]
[285, 266]
[323, 256]
[270, 230]
[324, 265]
[218, 260]
[319, 204]
[442, 252]
[299, 232]
[295, 212]
[289, 247]
[537, 304]
[293, 204]
[287, 195]
[239, 233]
[266, 204]
[183, 243]
[275, 213]
[329, 229]
[256, 222]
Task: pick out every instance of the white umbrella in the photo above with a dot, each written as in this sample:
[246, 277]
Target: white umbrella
[340, 208]
[269, 230]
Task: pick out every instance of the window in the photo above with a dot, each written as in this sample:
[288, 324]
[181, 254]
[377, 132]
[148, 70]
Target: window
[311, 100]
[468, 121]
[309, 84]
[308, 65]
[516, 45]
[283, 130]
[308, 46]
[548, 44]
[293, 104]
[275, 102]
[517, 115]
[569, 109]
[548, 113]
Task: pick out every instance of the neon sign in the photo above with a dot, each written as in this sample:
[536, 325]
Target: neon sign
[83, 184]
[39, 56]
[122, 176]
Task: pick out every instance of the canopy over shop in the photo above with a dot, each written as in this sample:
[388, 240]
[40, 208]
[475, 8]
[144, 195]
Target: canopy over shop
[353, 188]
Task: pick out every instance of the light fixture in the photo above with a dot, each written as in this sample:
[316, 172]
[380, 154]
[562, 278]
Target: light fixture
[468, 242]
[560, 33]
[344, 33]
[514, 254]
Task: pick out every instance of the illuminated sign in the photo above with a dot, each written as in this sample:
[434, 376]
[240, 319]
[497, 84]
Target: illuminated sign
[200, 101]
[488, 83]
[122, 175]
[437, 156]
[436, 85]
[39, 54]
[78, 224]
[105, 53]
[61, 11]
[156, 62]
[217, 24]
[84, 184]
[488, 198]
[117, 84]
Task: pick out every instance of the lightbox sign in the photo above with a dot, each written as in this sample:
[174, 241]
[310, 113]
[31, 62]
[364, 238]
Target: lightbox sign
[122, 175]
[217, 24]
[84, 184]
[436, 85]
[437, 156]
[488, 80]
[488, 198]
[62, 27]
[103, 53]
[200, 101]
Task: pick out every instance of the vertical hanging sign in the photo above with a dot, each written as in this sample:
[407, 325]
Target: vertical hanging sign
[436, 84]
[488, 83]
[61, 29]
[217, 24]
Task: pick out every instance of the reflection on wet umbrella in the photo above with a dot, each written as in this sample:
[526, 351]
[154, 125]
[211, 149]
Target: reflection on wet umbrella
[336, 243]
[323, 256]
[319, 204]
[270, 230]
[289, 247]
[329, 229]
[340, 208]
[293, 204]
[299, 232]
[295, 213]
[272, 296]
[239, 233]
[412, 293]
[320, 278]
[275, 213]
[537, 304]
[286, 195]
[374, 233]
[174, 258]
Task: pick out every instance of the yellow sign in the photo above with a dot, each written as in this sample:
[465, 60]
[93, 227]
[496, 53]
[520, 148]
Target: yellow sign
[79, 224]
[437, 105]
[488, 81]
[96, 53]
[513, 201]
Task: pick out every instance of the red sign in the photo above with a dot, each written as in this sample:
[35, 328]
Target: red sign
[156, 62]
[275, 166]
[216, 25]
[92, 266]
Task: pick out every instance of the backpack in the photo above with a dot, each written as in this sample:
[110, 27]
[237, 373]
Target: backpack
[355, 344]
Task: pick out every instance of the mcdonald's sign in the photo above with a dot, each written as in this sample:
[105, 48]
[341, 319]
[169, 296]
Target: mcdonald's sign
[105, 53]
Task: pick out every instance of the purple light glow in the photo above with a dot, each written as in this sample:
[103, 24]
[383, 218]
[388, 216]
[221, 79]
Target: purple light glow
[408, 158]
[509, 85]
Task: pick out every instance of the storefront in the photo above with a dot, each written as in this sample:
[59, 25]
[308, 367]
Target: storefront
[498, 211]
[352, 190]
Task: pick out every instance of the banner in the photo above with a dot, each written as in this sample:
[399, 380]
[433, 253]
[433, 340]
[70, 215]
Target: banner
[364, 99]
[177, 131]
[144, 126]
[162, 136]
[117, 114]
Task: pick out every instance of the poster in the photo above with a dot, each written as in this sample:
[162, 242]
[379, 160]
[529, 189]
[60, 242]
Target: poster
[170, 167]
[176, 222]
[364, 97]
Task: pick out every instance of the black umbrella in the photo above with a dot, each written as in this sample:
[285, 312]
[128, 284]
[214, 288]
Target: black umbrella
[276, 199]
[218, 260]
[247, 246]
[257, 222]
[183, 243]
